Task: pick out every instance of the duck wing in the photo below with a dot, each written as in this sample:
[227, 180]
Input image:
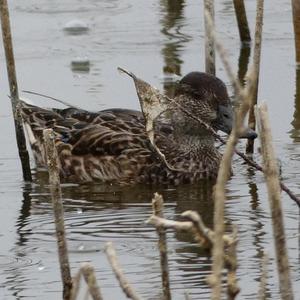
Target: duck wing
[108, 145]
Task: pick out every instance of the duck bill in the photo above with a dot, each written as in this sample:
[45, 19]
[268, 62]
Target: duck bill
[248, 133]
[226, 120]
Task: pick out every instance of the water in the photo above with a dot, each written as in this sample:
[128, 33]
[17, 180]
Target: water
[151, 38]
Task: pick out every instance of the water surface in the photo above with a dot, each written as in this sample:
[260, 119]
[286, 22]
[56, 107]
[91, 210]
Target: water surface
[153, 39]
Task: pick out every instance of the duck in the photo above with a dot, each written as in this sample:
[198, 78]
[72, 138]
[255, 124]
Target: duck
[112, 146]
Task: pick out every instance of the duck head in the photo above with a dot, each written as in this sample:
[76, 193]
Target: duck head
[206, 97]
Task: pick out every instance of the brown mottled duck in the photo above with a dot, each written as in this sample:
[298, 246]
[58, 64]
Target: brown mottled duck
[112, 145]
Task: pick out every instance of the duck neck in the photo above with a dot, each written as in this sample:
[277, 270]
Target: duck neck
[195, 145]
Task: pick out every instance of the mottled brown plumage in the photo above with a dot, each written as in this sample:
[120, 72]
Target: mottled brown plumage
[112, 146]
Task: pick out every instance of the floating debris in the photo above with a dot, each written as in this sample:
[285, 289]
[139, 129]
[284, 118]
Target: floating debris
[76, 27]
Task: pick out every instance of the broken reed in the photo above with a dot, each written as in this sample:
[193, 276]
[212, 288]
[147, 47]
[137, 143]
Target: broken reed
[14, 94]
[158, 210]
[256, 66]
[124, 284]
[54, 182]
[206, 239]
[87, 272]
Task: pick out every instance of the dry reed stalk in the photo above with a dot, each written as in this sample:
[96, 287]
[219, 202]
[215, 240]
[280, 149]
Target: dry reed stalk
[158, 210]
[54, 181]
[232, 286]
[263, 278]
[166, 224]
[89, 276]
[256, 66]
[272, 179]
[203, 234]
[88, 273]
[13, 85]
[296, 22]
[241, 17]
[224, 171]
[124, 284]
[210, 59]
[75, 285]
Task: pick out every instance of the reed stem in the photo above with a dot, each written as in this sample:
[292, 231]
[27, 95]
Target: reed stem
[13, 85]
[54, 181]
[272, 179]
[158, 210]
[296, 21]
[89, 276]
[256, 65]
[124, 284]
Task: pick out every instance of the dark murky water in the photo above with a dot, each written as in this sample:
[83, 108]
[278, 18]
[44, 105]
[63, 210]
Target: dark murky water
[150, 38]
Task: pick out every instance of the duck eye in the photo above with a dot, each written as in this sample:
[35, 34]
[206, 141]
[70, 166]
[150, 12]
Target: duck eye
[226, 116]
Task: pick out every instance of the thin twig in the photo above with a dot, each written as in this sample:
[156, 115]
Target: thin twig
[158, 207]
[13, 85]
[124, 284]
[52, 162]
[52, 98]
[272, 178]
[256, 66]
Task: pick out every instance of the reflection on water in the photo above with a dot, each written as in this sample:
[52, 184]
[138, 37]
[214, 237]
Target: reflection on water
[95, 214]
[295, 132]
[165, 38]
[244, 57]
[171, 22]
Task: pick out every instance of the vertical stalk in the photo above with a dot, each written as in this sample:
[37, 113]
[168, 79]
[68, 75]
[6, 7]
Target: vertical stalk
[54, 181]
[241, 17]
[89, 276]
[12, 78]
[210, 59]
[272, 178]
[296, 21]
[158, 207]
[256, 64]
